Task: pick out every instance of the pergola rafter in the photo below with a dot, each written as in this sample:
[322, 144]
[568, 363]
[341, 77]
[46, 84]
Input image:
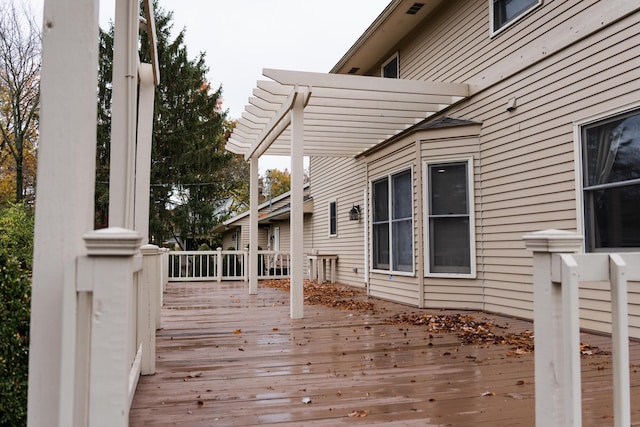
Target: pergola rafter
[343, 114]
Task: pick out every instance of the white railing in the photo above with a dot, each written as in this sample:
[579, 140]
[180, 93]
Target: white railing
[218, 265]
[273, 264]
[111, 315]
[557, 274]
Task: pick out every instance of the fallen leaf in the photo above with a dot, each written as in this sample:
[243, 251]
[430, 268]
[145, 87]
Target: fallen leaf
[237, 331]
[359, 413]
[274, 329]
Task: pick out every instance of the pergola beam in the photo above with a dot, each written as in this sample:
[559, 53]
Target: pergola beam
[345, 81]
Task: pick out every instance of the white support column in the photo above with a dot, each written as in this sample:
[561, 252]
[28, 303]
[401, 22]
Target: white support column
[124, 110]
[550, 379]
[65, 188]
[143, 156]
[297, 199]
[253, 227]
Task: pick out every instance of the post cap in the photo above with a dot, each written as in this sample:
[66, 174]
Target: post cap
[553, 241]
[114, 241]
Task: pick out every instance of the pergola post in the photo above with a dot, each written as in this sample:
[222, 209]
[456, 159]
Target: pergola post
[253, 227]
[65, 188]
[124, 111]
[143, 157]
[297, 199]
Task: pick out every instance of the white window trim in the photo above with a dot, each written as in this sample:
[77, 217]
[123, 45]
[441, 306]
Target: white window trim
[472, 218]
[577, 160]
[329, 218]
[390, 271]
[395, 56]
[493, 32]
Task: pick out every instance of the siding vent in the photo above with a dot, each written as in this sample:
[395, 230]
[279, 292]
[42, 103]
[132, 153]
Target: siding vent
[353, 70]
[415, 8]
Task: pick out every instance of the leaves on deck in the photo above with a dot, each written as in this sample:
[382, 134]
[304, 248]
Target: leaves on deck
[469, 330]
[359, 413]
[329, 295]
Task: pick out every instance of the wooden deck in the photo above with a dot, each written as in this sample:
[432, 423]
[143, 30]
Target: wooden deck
[225, 358]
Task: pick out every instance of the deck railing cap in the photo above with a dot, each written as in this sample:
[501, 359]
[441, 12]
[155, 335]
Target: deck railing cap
[114, 241]
[553, 241]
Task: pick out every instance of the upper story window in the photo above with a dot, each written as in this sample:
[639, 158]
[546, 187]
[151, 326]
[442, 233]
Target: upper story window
[392, 240]
[611, 182]
[333, 218]
[505, 12]
[391, 68]
[449, 234]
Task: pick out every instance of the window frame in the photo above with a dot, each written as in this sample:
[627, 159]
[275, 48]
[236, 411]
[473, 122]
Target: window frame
[394, 57]
[468, 162]
[582, 214]
[390, 221]
[332, 221]
[492, 18]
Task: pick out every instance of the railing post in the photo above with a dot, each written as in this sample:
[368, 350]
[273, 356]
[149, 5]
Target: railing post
[620, 340]
[110, 270]
[148, 289]
[551, 389]
[219, 264]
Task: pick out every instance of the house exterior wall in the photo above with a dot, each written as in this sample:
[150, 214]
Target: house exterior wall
[565, 62]
[339, 179]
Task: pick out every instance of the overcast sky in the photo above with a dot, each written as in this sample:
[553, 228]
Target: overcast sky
[241, 37]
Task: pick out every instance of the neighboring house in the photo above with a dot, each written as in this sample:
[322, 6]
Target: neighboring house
[547, 136]
[273, 231]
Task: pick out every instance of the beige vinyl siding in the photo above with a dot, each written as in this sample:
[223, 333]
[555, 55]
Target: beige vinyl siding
[228, 239]
[564, 62]
[446, 145]
[342, 180]
[527, 157]
[403, 288]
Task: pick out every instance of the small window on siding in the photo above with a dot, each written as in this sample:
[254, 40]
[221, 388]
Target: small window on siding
[391, 68]
[392, 239]
[506, 12]
[333, 218]
[449, 233]
[611, 182]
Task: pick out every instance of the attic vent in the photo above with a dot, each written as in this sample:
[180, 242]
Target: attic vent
[415, 8]
[353, 70]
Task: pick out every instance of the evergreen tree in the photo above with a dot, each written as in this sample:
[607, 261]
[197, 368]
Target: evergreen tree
[191, 173]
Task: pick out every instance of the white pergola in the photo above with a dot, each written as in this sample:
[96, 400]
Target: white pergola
[315, 114]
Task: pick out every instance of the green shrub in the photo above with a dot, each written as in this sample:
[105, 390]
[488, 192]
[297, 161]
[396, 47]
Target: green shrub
[15, 297]
[16, 233]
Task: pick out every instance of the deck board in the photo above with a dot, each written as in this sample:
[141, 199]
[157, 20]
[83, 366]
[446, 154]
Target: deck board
[227, 358]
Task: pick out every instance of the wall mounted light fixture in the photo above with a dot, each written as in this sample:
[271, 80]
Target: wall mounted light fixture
[354, 213]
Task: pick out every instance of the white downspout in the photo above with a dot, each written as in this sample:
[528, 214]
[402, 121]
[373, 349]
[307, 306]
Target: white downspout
[365, 210]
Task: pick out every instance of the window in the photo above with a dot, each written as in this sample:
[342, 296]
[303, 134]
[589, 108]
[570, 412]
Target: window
[391, 68]
[449, 230]
[611, 182]
[392, 200]
[333, 219]
[505, 12]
